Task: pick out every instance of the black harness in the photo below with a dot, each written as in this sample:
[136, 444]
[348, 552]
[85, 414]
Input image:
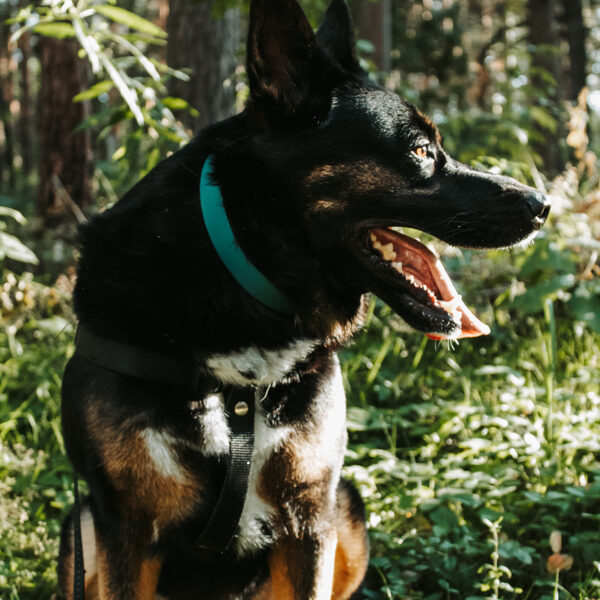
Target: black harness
[220, 530]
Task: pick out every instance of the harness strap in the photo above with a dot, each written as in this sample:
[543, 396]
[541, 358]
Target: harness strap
[137, 362]
[221, 527]
[132, 361]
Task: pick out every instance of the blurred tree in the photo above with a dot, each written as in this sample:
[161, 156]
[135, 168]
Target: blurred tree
[430, 51]
[25, 113]
[7, 67]
[545, 75]
[576, 34]
[374, 24]
[65, 184]
[207, 47]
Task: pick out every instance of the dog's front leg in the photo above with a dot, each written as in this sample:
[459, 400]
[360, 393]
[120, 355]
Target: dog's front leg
[301, 567]
[115, 567]
[126, 571]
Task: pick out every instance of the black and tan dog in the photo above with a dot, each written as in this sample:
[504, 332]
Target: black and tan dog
[312, 176]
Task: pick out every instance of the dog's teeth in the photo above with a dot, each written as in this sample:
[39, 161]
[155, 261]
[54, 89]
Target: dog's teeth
[451, 305]
[373, 238]
[388, 252]
[397, 266]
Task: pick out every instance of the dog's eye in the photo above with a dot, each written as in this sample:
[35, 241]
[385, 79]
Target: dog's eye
[422, 151]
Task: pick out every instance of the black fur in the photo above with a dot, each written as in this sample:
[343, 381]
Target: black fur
[319, 157]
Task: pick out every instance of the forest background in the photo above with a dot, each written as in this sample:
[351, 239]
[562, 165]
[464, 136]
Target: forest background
[479, 464]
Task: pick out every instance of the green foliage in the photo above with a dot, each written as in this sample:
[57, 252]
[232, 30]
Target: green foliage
[444, 440]
[35, 476]
[467, 458]
[119, 61]
[445, 443]
[56, 18]
[10, 246]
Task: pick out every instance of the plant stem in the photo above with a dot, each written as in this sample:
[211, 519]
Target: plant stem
[550, 366]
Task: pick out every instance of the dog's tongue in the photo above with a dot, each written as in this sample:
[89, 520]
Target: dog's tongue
[420, 262]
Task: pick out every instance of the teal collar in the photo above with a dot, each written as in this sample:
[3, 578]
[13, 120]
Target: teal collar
[233, 257]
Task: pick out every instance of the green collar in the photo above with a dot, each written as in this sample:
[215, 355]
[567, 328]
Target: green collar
[233, 257]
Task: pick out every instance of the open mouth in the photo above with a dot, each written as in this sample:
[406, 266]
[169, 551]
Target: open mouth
[420, 285]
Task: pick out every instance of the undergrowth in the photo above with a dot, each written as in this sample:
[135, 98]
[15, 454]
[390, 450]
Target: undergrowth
[469, 458]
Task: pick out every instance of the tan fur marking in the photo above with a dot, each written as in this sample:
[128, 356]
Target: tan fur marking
[91, 587]
[103, 574]
[351, 558]
[127, 462]
[148, 579]
[281, 585]
[365, 175]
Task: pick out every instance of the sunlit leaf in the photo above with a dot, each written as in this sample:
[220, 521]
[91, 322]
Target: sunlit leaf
[120, 15]
[96, 90]
[12, 247]
[55, 30]
[6, 211]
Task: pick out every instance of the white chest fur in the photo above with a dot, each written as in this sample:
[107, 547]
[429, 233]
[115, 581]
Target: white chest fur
[318, 449]
[254, 365]
[327, 431]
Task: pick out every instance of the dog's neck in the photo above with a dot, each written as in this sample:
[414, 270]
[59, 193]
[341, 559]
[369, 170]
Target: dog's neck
[231, 254]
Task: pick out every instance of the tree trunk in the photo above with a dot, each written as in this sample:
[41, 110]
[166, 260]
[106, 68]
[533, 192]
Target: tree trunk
[206, 47]
[576, 37]
[66, 157]
[25, 103]
[7, 68]
[543, 35]
[374, 23]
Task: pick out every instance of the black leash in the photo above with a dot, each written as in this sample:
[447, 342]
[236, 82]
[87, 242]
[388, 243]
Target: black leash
[221, 527]
[78, 566]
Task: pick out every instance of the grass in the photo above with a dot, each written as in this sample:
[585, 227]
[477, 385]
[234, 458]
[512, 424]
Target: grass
[468, 458]
[455, 448]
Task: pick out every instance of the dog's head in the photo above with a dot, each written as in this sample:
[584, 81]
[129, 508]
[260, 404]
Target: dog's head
[351, 160]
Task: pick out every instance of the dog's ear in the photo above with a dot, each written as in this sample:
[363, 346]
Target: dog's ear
[336, 36]
[288, 72]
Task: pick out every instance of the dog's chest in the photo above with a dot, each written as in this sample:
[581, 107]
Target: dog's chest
[260, 366]
[299, 432]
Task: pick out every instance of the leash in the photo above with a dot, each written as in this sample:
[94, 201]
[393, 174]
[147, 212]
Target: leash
[239, 403]
[78, 566]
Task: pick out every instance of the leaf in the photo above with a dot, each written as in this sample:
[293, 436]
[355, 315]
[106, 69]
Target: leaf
[585, 307]
[445, 520]
[6, 211]
[133, 21]
[533, 298]
[96, 90]
[55, 30]
[547, 256]
[175, 103]
[54, 325]
[119, 153]
[543, 118]
[512, 549]
[361, 419]
[12, 247]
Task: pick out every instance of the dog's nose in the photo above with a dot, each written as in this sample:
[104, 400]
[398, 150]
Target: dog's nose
[539, 205]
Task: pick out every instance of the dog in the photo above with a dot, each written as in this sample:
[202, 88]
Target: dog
[187, 325]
